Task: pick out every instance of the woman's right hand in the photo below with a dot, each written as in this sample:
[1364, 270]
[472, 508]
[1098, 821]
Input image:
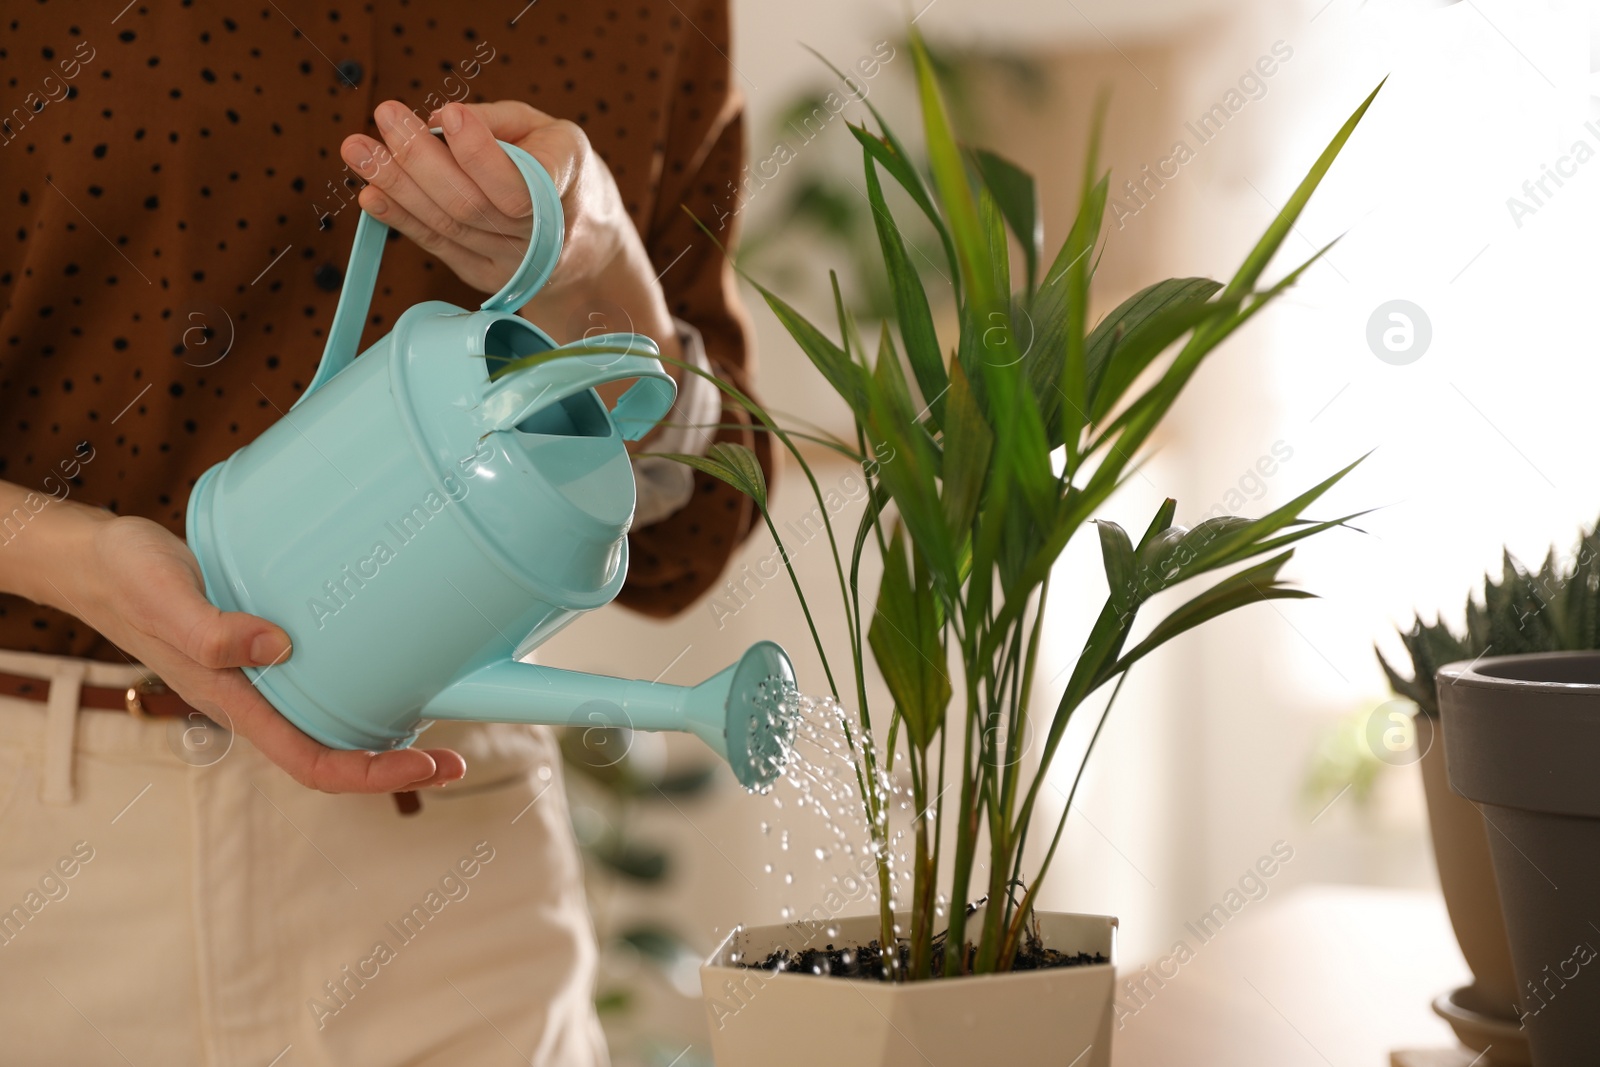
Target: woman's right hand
[140, 587]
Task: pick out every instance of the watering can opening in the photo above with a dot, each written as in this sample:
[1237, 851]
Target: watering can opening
[575, 416]
[578, 415]
[510, 339]
[626, 361]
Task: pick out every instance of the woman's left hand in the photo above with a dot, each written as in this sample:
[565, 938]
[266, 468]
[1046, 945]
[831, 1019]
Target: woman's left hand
[466, 203]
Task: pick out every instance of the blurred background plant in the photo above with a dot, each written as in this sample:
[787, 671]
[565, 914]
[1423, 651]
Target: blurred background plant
[612, 777]
[1343, 762]
[824, 209]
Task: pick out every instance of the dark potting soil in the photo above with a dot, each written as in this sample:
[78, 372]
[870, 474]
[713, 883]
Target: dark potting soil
[867, 961]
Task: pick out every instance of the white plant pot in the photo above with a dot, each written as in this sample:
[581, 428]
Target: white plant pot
[1061, 1015]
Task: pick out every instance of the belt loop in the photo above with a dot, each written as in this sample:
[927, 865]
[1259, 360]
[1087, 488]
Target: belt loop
[60, 731]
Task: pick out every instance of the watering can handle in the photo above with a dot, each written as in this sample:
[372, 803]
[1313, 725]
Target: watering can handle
[366, 252]
[568, 370]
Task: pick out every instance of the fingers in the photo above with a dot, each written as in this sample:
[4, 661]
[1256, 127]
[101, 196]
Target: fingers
[474, 147]
[432, 186]
[388, 176]
[242, 709]
[465, 201]
[464, 261]
[560, 146]
[449, 766]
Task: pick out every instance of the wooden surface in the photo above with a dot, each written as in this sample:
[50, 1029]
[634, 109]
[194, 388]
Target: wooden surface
[1325, 976]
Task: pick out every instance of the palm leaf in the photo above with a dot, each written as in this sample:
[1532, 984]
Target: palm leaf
[1013, 191]
[911, 304]
[1249, 586]
[732, 463]
[906, 638]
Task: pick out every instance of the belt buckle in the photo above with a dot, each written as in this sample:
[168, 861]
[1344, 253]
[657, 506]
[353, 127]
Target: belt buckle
[133, 699]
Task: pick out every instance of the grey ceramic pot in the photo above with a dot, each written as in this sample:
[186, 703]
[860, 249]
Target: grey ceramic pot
[1484, 1013]
[1522, 741]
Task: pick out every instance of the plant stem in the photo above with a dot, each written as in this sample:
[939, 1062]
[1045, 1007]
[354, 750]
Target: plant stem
[877, 817]
[1015, 754]
[919, 911]
[966, 839]
[1014, 932]
[794, 579]
[930, 889]
[1000, 836]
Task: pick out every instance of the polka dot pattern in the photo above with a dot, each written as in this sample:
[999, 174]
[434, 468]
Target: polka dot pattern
[177, 222]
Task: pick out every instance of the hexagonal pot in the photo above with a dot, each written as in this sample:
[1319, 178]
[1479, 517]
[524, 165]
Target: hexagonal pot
[1060, 1015]
[1521, 737]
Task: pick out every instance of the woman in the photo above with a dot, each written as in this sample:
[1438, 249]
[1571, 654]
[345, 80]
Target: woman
[182, 187]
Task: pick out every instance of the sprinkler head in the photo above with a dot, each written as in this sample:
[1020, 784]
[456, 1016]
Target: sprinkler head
[747, 714]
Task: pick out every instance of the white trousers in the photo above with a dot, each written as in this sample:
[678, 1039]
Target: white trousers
[168, 897]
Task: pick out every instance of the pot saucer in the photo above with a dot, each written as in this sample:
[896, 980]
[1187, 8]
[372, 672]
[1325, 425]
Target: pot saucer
[1504, 1041]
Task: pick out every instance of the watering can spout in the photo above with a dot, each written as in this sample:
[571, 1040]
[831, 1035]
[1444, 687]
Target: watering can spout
[745, 712]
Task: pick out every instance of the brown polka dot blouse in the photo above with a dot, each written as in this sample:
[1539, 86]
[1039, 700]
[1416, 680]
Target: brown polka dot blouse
[177, 221]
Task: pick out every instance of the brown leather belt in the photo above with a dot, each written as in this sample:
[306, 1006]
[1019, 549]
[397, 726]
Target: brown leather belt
[143, 699]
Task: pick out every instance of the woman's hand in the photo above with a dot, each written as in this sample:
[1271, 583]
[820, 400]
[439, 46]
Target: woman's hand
[140, 586]
[467, 204]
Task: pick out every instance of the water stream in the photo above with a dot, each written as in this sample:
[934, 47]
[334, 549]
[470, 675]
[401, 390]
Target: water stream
[821, 858]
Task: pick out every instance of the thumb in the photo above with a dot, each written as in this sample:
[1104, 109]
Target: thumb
[234, 639]
[181, 616]
[508, 120]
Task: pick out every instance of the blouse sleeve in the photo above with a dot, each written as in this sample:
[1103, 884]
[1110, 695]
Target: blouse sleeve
[677, 559]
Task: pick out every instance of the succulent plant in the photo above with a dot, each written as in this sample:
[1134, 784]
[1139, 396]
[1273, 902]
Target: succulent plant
[1556, 609]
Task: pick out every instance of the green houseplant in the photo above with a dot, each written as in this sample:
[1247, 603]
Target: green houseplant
[982, 467]
[983, 460]
[1553, 609]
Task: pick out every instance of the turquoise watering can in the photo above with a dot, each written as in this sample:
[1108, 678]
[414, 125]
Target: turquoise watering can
[417, 527]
